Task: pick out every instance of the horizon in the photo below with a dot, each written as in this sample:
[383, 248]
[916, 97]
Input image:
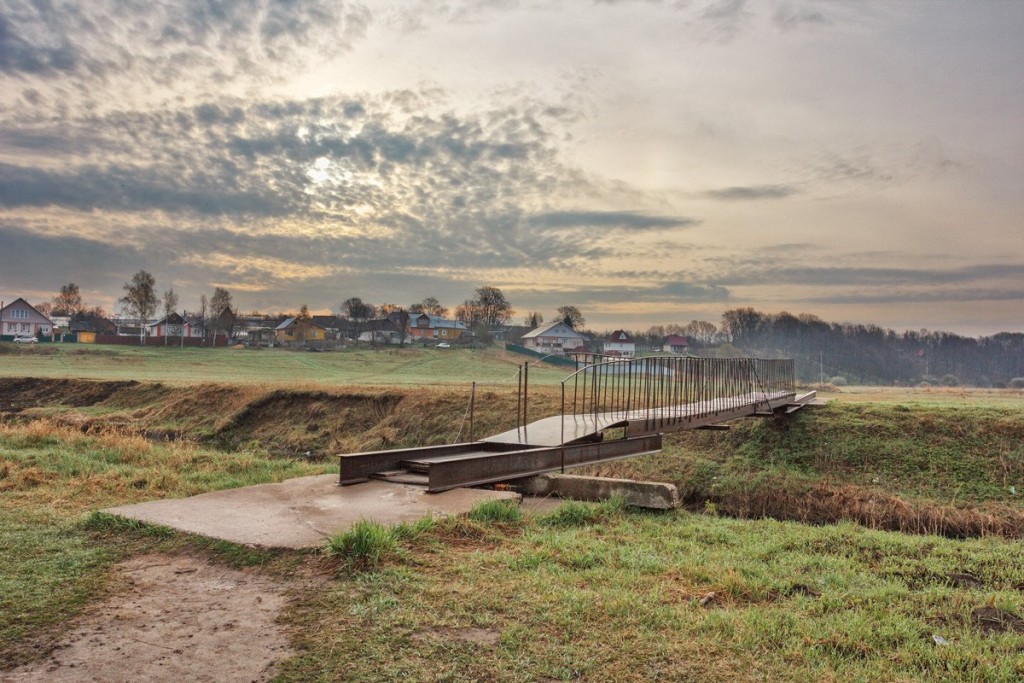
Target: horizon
[649, 163]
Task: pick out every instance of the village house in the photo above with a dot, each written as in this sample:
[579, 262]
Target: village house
[619, 343]
[298, 331]
[675, 343]
[20, 319]
[423, 326]
[556, 337]
[87, 326]
[382, 331]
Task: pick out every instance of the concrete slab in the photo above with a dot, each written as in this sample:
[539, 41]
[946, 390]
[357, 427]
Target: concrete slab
[301, 513]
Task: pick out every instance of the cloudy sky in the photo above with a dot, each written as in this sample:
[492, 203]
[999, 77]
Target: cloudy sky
[648, 162]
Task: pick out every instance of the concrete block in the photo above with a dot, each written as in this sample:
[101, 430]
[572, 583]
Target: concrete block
[641, 494]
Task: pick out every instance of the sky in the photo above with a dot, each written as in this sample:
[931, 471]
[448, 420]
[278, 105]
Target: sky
[649, 162]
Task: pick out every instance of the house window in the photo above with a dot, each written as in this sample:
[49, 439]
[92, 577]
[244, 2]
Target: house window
[19, 313]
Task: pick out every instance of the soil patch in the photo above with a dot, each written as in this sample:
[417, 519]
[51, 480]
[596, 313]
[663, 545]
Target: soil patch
[995, 620]
[20, 393]
[179, 618]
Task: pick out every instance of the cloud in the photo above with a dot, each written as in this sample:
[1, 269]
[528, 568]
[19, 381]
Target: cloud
[769, 273]
[752, 192]
[789, 16]
[949, 295]
[626, 220]
[165, 43]
[665, 292]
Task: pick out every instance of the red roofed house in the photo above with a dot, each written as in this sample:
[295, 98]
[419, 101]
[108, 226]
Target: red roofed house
[675, 344]
[619, 343]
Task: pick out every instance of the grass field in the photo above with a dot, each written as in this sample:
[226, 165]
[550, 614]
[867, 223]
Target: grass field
[715, 593]
[393, 367]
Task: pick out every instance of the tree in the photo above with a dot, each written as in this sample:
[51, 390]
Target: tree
[170, 306]
[357, 311]
[140, 300]
[533, 320]
[204, 312]
[304, 313]
[492, 308]
[220, 312]
[701, 332]
[69, 300]
[431, 306]
[571, 316]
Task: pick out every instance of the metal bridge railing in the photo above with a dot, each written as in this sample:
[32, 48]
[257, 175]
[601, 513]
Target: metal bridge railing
[663, 390]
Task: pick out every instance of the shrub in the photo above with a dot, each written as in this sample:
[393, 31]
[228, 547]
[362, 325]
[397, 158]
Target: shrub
[838, 381]
[1017, 383]
[950, 380]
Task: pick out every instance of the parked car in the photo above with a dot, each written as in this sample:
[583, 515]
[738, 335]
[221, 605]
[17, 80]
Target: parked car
[443, 345]
[25, 340]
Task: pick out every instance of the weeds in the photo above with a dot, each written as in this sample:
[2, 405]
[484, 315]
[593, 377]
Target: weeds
[364, 545]
[497, 511]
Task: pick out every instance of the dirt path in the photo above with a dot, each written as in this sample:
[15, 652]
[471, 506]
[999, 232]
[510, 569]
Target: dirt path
[180, 619]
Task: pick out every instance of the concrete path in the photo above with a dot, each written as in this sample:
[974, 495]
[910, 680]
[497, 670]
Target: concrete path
[301, 513]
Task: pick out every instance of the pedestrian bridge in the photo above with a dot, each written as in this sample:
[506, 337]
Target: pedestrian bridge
[611, 408]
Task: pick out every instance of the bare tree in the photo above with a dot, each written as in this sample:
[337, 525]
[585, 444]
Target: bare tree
[204, 311]
[69, 300]
[170, 306]
[535, 319]
[571, 316]
[431, 306]
[220, 312]
[140, 300]
[701, 332]
[490, 307]
[358, 312]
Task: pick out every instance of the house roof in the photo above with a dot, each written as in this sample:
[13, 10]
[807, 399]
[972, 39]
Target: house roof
[331, 322]
[433, 321]
[289, 322]
[382, 324]
[557, 328]
[90, 322]
[676, 340]
[6, 316]
[172, 319]
[619, 337]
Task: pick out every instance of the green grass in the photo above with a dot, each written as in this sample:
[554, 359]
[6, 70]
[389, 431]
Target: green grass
[640, 597]
[589, 592]
[56, 551]
[943, 469]
[393, 367]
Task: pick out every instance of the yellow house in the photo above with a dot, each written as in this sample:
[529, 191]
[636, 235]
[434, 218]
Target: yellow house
[296, 330]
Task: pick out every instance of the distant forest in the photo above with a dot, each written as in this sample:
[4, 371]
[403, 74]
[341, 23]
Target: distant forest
[869, 354]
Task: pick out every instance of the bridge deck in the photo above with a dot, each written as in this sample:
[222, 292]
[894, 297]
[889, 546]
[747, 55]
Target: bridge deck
[550, 431]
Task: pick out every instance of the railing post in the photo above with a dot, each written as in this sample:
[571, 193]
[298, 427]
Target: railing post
[472, 402]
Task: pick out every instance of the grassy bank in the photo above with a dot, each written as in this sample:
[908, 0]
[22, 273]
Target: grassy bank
[594, 594]
[953, 470]
[605, 595]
